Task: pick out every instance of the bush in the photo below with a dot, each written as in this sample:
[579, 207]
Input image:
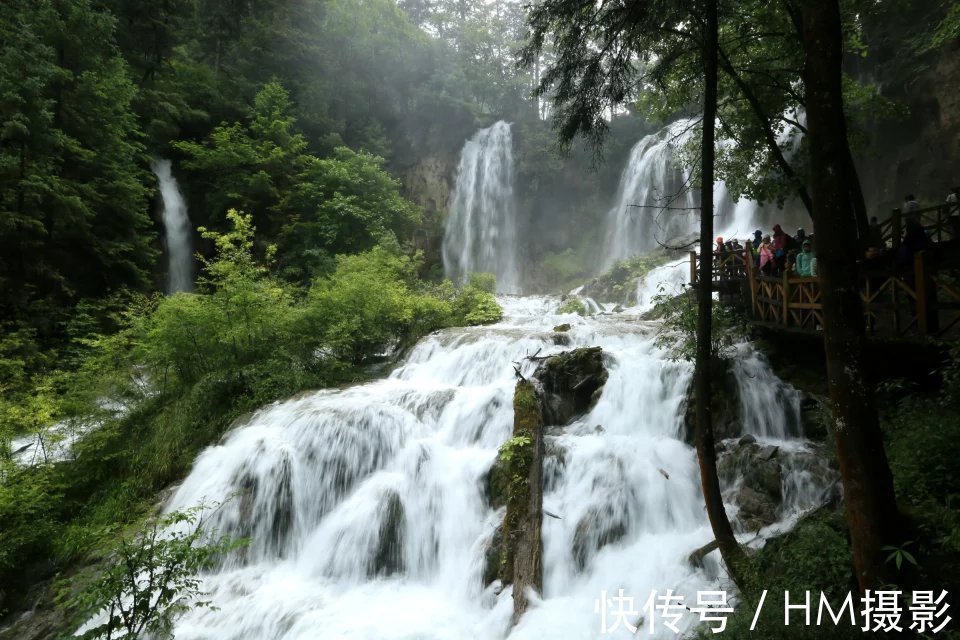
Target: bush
[574, 305]
[677, 333]
[148, 580]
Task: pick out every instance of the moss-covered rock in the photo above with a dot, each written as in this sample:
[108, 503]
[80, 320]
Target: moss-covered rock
[574, 305]
[562, 328]
[572, 382]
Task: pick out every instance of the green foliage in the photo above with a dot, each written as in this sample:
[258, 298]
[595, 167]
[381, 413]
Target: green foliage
[475, 303]
[514, 447]
[73, 201]
[149, 579]
[345, 203]
[923, 446]
[619, 283]
[574, 305]
[899, 554]
[814, 557]
[182, 368]
[678, 329]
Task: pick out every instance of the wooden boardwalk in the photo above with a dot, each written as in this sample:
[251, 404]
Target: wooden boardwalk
[923, 301]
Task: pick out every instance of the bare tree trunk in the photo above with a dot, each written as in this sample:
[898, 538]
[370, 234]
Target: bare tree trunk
[732, 554]
[872, 515]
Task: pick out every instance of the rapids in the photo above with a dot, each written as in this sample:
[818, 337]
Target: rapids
[366, 510]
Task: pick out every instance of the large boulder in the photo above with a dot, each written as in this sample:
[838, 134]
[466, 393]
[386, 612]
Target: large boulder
[571, 383]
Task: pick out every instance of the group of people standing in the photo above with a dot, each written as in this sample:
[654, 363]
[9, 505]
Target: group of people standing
[776, 254]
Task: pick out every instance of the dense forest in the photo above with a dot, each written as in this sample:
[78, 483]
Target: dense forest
[315, 143]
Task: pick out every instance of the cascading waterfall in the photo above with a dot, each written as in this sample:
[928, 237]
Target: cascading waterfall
[366, 508]
[653, 199]
[177, 229]
[481, 230]
[655, 202]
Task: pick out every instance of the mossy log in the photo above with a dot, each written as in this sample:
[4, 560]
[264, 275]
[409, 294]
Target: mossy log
[521, 559]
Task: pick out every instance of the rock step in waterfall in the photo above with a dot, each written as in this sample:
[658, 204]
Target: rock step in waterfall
[369, 513]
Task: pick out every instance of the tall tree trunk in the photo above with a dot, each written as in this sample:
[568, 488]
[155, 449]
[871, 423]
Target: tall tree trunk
[858, 202]
[730, 550]
[872, 515]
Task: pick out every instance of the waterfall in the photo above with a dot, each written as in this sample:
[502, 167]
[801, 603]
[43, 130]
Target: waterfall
[481, 230]
[653, 200]
[366, 506]
[656, 202]
[177, 229]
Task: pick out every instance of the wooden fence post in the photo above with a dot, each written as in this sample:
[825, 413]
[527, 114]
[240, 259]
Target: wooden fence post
[928, 316]
[896, 226]
[751, 283]
[786, 298]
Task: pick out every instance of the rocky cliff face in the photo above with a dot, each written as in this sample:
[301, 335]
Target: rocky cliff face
[921, 153]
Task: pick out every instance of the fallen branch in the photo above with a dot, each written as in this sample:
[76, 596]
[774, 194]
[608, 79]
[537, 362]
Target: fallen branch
[696, 558]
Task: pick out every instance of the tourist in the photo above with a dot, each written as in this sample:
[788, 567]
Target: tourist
[910, 208]
[767, 261]
[757, 237]
[720, 248]
[800, 238]
[804, 260]
[780, 242]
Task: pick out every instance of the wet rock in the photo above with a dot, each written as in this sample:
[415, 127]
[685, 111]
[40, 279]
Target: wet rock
[755, 467]
[562, 340]
[725, 404]
[562, 328]
[495, 484]
[571, 384]
[388, 559]
[747, 439]
[600, 526]
[815, 416]
[491, 557]
[757, 510]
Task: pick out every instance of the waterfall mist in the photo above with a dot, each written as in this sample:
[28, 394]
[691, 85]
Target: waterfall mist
[177, 228]
[481, 229]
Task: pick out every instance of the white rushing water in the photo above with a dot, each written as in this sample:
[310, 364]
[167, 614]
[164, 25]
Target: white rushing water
[366, 510]
[655, 201]
[177, 229]
[481, 230]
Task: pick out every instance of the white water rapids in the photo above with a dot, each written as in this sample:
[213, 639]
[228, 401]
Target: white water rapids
[366, 509]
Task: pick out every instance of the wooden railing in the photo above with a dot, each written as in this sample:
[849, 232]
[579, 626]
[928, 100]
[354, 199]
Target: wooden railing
[726, 266]
[936, 221]
[923, 302]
